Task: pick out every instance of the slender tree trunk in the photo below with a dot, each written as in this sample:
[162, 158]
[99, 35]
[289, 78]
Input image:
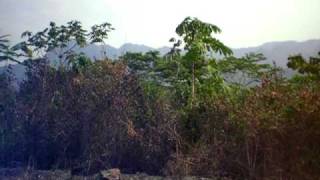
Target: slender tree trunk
[193, 85]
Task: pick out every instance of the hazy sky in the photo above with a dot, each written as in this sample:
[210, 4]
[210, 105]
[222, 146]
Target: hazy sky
[152, 22]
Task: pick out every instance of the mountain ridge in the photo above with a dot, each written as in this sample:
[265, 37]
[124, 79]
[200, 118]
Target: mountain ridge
[276, 51]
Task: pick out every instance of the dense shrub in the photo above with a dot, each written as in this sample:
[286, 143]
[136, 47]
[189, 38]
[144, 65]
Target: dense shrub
[281, 123]
[88, 120]
[8, 135]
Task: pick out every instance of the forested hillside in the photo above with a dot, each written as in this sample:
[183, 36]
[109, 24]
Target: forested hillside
[185, 112]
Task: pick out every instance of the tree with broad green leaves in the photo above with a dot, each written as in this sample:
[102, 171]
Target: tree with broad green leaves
[198, 43]
[6, 53]
[62, 41]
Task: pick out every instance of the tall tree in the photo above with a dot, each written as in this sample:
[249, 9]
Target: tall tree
[198, 42]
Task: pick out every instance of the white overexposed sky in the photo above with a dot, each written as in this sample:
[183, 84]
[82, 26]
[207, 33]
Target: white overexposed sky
[152, 22]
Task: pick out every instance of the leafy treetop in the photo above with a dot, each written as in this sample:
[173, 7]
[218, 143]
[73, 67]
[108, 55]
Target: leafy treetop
[64, 38]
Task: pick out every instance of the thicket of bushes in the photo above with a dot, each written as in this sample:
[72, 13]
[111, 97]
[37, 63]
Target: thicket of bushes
[164, 115]
[94, 119]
